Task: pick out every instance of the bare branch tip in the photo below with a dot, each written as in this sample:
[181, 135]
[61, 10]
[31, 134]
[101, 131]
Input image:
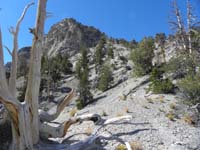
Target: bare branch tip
[9, 51]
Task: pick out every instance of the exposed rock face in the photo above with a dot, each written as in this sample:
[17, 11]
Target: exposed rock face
[8, 66]
[24, 52]
[164, 53]
[23, 59]
[69, 35]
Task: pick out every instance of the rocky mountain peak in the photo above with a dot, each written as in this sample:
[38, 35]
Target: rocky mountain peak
[24, 52]
[68, 35]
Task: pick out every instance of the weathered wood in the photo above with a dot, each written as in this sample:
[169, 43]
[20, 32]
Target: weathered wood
[22, 138]
[91, 141]
[48, 117]
[13, 72]
[54, 130]
[179, 25]
[128, 146]
[58, 130]
[9, 51]
[3, 83]
[189, 23]
[24, 116]
[33, 86]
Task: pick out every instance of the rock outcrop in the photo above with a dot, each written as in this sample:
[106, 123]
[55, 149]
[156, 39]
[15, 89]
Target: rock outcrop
[163, 52]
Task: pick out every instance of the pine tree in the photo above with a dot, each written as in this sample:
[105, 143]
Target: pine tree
[99, 54]
[66, 65]
[105, 78]
[111, 53]
[142, 56]
[82, 73]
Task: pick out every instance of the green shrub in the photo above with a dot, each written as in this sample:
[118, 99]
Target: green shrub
[158, 84]
[156, 73]
[180, 66]
[142, 57]
[120, 147]
[190, 87]
[79, 104]
[85, 97]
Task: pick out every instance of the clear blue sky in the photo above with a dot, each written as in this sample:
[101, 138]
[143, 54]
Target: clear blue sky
[128, 19]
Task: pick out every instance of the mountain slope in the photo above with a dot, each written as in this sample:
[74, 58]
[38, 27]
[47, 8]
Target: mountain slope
[149, 126]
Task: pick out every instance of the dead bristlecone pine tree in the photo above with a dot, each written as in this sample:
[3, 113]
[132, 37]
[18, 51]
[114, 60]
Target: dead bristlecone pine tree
[24, 116]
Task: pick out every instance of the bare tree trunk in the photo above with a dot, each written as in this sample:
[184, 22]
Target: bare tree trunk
[34, 77]
[15, 32]
[189, 22]
[24, 116]
[180, 26]
[22, 138]
[20, 141]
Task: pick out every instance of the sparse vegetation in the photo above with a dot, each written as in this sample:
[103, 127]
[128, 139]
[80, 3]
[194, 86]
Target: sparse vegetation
[122, 97]
[170, 116]
[127, 110]
[150, 100]
[73, 112]
[120, 114]
[161, 110]
[172, 106]
[146, 107]
[136, 145]
[89, 131]
[162, 100]
[104, 114]
[188, 119]
[121, 147]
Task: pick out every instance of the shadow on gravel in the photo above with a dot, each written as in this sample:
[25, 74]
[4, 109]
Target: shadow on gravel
[93, 102]
[68, 141]
[5, 136]
[133, 132]
[130, 123]
[97, 145]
